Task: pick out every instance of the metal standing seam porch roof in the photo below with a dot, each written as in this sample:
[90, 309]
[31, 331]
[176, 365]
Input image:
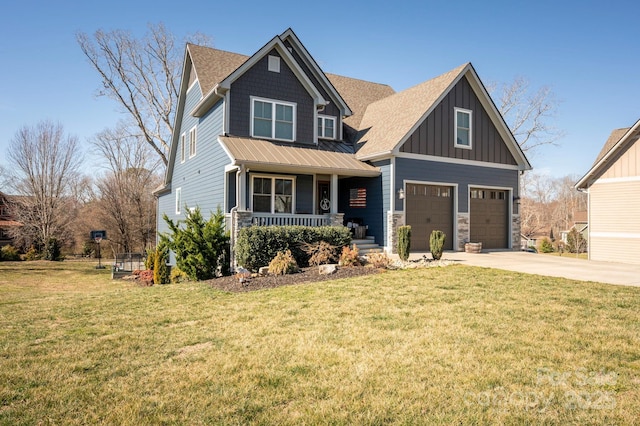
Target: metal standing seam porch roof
[271, 156]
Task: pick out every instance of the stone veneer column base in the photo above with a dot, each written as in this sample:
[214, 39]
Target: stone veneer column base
[239, 219]
[394, 221]
[515, 231]
[336, 219]
[463, 230]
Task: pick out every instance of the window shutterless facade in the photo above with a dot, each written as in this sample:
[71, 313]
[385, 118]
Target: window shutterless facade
[193, 142]
[463, 129]
[272, 194]
[183, 147]
[326, 127]
[272, 119]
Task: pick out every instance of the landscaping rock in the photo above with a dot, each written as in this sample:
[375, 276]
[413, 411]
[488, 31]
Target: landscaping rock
[242, 272]
[327, 269]
[263, 271]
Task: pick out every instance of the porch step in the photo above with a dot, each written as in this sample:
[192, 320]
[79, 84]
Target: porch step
[366, 245]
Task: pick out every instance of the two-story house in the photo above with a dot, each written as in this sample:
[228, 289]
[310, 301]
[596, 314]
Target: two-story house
[272, 139]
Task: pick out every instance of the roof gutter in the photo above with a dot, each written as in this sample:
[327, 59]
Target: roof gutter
[209, 100]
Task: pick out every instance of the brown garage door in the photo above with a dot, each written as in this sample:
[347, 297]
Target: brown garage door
[488, 220]
[428, 208]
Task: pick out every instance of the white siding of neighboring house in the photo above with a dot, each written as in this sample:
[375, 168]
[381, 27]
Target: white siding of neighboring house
[614, 211]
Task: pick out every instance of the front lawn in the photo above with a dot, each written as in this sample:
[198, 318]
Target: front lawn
[452, 345]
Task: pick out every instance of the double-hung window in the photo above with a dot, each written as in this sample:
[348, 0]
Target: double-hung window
[178, 200]
[273, 119]
[272, 194]
[326, 127]
[183, 148]
[463, 130]
[192, 142]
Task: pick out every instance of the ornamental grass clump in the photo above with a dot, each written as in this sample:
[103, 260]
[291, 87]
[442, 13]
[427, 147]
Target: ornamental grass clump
[283, 263]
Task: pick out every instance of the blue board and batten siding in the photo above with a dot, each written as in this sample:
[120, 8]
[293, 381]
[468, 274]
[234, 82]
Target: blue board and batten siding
[201, 177]
[463, 175]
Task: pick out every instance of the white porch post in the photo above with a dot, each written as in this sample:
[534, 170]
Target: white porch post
[241, 189]
[334, 194]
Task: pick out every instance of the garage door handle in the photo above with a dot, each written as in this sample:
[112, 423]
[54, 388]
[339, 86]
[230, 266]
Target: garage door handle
[488, 220]
[428, 220]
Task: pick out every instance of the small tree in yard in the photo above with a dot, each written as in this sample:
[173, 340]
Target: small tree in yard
[404, 242]
[160, 268]
[576, 243]
[436, 244]
[545, 245]
[201, 247]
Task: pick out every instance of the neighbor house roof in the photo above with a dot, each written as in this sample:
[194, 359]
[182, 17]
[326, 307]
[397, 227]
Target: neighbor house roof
[285, 157]
[618, 140]
[389, 120]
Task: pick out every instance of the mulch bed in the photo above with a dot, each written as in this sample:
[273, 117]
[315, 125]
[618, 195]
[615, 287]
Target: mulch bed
[306, 275]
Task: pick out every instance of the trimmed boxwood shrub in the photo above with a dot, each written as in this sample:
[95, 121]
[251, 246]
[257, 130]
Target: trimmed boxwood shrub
[258, 245]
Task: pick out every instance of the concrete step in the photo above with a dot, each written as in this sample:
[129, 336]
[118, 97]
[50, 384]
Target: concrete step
[366, 245]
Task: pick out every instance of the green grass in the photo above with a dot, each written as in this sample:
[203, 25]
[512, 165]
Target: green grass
[454, 345]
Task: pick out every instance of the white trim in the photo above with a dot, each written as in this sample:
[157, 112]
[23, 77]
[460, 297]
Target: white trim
[178, 201]
[392, 184]
[509, 203]
[326, 117]
[621, 235]
[183, 148]
[192, 84]
[334, 193]
[273, 184]
[455, 203]
[273, 103]
[225, 114]
[617, 180]
[193, 141]
[456, 161]
[456, 110]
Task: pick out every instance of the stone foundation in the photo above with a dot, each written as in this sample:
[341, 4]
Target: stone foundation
[336, 219]
[463, 230]
[515, 231]
[394, 221]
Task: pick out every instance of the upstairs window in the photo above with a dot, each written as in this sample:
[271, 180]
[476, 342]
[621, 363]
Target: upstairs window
[192, 142]
[183, 147]
[178, 200]
[272, 195]
[326, 127]
[273, 119]
[463, 130]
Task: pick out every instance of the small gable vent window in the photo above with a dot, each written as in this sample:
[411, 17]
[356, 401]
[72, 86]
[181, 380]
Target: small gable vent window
[274, 63]
[326, 127]
[463, 130]
[178, 200]
[183, 148]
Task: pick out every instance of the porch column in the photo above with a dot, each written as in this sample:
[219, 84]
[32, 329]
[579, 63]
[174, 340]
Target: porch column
[241, 189]
[334, 194]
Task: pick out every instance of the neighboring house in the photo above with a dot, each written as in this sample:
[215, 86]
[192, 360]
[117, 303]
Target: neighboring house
[6, 220]
[613, 185]
[580, 224]
[272, 139]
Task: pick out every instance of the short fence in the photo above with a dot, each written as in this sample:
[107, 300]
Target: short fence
[290, 220]
[126, 263]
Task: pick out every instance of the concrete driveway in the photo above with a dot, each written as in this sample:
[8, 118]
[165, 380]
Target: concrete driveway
[554, 266]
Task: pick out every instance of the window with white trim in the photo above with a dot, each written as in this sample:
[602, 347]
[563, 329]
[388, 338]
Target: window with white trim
[183, 148]
[178, 200]
[273, 119]
[193, 142]
[463, 130]
[272, 194]
[326, 127]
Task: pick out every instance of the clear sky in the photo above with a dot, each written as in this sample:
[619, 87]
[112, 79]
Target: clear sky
[587, 51]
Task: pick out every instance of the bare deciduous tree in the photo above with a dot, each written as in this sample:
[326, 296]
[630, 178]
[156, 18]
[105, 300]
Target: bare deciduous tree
[127, 206]
[46, 169]
[527, 112]
[142, 76]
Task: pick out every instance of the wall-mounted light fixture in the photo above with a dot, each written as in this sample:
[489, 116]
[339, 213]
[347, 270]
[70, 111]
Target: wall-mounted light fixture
[401, 194]
[516, 199]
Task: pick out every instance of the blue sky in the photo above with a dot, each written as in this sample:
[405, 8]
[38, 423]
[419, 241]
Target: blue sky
[587, 51]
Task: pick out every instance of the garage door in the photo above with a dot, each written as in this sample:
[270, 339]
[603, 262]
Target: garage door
[488, 221]
[428, 208]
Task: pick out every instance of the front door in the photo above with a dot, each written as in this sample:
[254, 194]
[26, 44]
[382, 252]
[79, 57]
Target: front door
[324, 200]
